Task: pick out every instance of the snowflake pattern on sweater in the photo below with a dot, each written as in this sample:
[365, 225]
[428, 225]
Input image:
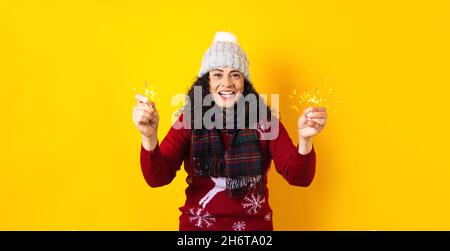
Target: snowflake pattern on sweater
[200, 218]
[239, 226]
[253, 203]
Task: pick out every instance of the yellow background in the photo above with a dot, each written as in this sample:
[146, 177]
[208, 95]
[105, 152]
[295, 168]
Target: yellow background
[70, 153]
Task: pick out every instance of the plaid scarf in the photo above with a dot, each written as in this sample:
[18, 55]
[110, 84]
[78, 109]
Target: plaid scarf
[241, 164]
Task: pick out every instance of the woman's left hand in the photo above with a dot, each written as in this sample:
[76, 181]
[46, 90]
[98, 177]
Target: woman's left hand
[311, 122]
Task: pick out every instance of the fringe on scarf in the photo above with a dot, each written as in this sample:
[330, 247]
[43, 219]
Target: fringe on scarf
[239, 186]
[213, 165]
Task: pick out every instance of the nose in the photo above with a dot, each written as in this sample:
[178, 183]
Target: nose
[227, 82]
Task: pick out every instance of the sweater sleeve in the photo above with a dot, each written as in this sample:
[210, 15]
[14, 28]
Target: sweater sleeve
[297, 169]
[159, 166]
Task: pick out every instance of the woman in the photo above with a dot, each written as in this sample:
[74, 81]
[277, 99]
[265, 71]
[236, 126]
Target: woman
[227, 165]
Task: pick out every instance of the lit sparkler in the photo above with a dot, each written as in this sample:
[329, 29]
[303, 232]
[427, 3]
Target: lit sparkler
[151, 93]
[317, 97]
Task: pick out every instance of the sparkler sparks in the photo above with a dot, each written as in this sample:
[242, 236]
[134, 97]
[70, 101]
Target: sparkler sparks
[151, 93]
[317, 97]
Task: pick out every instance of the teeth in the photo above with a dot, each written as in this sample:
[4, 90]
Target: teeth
[226, 92]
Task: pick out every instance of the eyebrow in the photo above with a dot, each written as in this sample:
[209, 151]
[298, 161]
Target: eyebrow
[232, 71]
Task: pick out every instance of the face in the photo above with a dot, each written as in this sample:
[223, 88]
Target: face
[226, 85]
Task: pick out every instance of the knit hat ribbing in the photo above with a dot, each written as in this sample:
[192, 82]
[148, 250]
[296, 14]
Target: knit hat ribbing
[225, 52]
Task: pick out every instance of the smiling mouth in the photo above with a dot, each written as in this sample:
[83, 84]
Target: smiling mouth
[227, 94]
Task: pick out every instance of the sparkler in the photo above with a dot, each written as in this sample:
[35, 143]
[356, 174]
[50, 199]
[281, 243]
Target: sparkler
[151, 93]
[317, 97]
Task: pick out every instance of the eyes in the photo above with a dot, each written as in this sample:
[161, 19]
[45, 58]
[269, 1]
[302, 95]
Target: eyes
[234, 75]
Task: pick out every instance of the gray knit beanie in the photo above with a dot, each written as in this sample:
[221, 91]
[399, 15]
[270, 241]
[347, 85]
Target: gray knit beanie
[225, 52]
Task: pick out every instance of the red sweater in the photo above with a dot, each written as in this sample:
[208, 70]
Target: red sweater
[207, 205]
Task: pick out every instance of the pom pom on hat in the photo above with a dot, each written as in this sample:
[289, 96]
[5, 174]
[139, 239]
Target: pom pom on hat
[223, 36]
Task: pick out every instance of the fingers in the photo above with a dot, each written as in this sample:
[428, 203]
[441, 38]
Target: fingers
[307, 110]
[141, 117]
[316, 115]
[151, 114]
[313, 120]
[319, 109]
[313, 124]
[319, 121]
[139, 120]
[149, 106]
[142, 114]
[145, 106]
[314, 109]
[141, 98]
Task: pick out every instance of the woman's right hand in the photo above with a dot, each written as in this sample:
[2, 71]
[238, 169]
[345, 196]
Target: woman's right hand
[146, 118]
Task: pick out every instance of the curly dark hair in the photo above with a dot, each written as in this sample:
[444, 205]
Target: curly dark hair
[203, 82]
